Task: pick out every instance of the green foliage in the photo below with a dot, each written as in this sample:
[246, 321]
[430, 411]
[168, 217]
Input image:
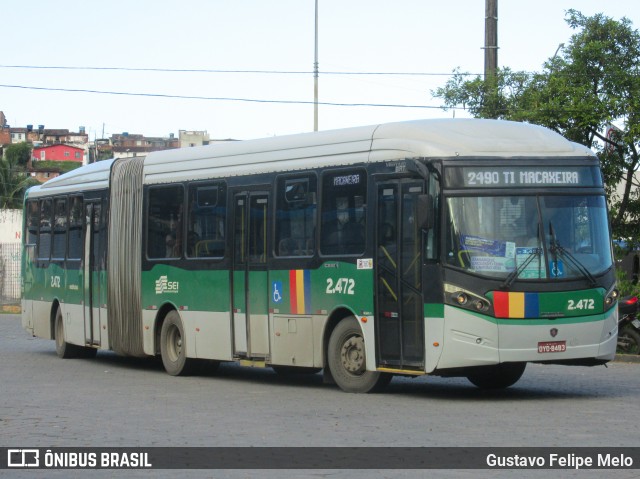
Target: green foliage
[14, 180]
[593, 83]
[61, 166]
[18, 153]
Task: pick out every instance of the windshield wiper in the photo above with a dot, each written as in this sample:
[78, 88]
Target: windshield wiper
[516, 272]
[557, 250]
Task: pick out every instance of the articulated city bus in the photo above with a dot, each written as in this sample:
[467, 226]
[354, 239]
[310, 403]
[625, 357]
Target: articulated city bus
[441, 247]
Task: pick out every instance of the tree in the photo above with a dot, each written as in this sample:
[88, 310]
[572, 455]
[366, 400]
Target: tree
[593, 84]
[14, 181]
[18, 153]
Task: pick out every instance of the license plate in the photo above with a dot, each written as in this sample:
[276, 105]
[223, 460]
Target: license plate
[552, 346]
[636, 323]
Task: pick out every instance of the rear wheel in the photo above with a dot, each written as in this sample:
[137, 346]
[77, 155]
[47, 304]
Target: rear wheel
[347, 360]
[64, 350]
[628, 341]
[173, 346]
[499, 376]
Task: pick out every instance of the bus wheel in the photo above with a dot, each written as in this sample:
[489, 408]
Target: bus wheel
[347, 360]
[64, 350]
[173, 348]
[498, 376]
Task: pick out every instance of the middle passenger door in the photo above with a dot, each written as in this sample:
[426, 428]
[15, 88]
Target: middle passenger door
[249, 275]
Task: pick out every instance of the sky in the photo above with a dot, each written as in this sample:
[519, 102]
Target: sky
[102, 46]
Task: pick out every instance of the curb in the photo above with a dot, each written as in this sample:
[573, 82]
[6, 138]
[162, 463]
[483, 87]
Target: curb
[627, 358]
[11, 309]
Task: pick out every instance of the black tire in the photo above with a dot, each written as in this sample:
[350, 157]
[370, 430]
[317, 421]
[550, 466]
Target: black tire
[499, 376]
[346, 357]
[64, 350]
[628, 341]
[173, 347]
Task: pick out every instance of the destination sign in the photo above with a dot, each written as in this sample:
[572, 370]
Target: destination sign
[522, 176]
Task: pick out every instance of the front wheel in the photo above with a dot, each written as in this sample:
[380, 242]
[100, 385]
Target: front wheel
[499, 376]
[347, 360]
[628, 341]
[173, 346]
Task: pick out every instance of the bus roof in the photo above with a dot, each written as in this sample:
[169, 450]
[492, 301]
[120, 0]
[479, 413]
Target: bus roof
[438, 138]
[90, 177]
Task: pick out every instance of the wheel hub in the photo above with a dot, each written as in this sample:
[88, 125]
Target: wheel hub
[175, 344]
[352, 355]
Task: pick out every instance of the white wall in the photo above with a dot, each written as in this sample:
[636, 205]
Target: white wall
[10, 226]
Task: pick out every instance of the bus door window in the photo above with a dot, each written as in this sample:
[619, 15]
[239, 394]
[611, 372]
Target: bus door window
[206, 221]
[240, 230]
[164, 228]
[343, 213]
[258, 229]
[296, 216]
[60, 229]
[76, 213]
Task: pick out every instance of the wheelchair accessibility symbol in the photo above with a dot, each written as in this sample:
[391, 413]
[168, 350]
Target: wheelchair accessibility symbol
[557, 269]
[276, 288]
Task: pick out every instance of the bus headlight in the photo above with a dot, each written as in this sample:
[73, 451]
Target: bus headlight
[611, 298]
[465, 299]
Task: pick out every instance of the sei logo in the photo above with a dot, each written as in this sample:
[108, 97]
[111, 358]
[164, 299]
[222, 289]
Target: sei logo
[55, 281]
[163, 285]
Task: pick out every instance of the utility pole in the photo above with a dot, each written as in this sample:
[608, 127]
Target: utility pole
[315, 77]
[490, 38]
[491, 57]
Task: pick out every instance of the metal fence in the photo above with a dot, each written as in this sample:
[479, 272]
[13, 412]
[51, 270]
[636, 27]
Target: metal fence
[10, 273]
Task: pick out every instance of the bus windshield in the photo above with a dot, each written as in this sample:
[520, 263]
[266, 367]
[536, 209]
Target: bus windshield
[529, 237]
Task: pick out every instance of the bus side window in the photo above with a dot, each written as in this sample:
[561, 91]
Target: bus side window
[164, 227]
[44, 243]
[60, 229]
[206, 221]
[296, 216]
[33, 220]
[343, 213]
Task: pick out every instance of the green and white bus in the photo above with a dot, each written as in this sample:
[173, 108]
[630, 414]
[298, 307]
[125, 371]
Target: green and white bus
[441, 247]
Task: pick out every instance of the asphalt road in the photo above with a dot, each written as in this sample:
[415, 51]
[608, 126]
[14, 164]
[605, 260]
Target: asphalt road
[111, 401]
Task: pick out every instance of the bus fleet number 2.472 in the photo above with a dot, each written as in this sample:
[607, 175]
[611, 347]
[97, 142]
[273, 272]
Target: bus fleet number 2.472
[341, 286]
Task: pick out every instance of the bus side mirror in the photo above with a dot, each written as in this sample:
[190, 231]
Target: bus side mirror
[425, 211]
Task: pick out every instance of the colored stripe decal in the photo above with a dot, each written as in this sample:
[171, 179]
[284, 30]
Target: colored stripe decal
[293, 293]
[531, 305]
[300, 291]
[516, 305]
[307, 291]
[501, 304]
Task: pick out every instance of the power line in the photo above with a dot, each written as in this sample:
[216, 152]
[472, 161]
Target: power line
[195, 97]
[201, 70]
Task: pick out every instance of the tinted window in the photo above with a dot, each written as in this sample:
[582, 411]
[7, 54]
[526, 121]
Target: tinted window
[60, 229]
[164, 227]
[344, 196]
[33, 220]
[207, 220]
[44, 243]
[76, 215]
[296, 216]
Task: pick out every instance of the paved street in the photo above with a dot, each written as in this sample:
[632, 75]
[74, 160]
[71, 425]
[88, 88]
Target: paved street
[111, 401]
